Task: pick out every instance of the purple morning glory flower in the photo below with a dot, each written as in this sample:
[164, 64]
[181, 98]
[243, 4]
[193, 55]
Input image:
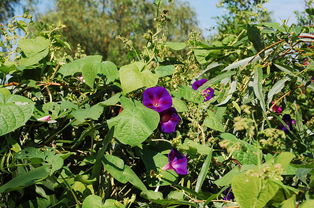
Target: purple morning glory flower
[207, 93]
[198, 83]
[312, 79]
[157, 98]
[276, 108]
[169, 119]
[228, 194]
[287, 119]
[177, 161]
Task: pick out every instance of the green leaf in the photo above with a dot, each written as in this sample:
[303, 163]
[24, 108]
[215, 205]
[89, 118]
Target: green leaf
[176, 195]
[132, 177]
[200, 55]
[227, 179]
[89, 72]
[176, 45]
[135, 124]
[257, 87]
[33, 46]
[26, 179]
[251, 191]
[213, 122]
[93, 113]
[289, 203]
[193, 147]
[47, 157]
[166, 70]
[152, 195]
[115, 166]
[5, 92]
[123, 173]
[278, 86]
[274, 25]
[93, 201]
[308, 204]
[132, 77]
[77, 65]
[15, 111]
[108, 69]
[284, 159]
[245, 153]
[216, 79]
[287, 70]
[34, 50]
[202, 175]
[111, 203]
[242, 63]
[179, 105]
[254, 36]
[189, 94]
[111, 101]
[233, 88]
[299, 121]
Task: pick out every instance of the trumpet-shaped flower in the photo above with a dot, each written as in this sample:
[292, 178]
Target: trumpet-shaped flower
[169, 119]
[228, 194]
[157, 98]
[177, 161]
[47, 119]
[276, 108]
[289, 123]
[208, 93]
[198, 83]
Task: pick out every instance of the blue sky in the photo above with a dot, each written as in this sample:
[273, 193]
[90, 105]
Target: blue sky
[281, 9]
[206, 10]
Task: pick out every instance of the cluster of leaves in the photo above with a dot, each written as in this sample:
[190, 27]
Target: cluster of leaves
[74, 132]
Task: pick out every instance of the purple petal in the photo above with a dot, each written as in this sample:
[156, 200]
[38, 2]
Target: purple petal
[169, 120]
[198, 83]
[228, 194]
[276, 109]
[180, 166]
[177, 161]
[208, 93]
[157, 98]
[44, 119]
[287, 119]
[167, 167]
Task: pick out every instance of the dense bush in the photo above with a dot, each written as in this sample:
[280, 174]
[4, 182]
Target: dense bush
[188, 124]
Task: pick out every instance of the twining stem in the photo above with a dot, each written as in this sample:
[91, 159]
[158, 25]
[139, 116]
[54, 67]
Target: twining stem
[284, 95]
[72, 192]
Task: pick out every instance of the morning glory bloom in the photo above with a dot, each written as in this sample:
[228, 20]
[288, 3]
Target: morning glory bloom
[208, 93]
[228, 194]
[178, 162]
[47, 119]
[169, 119]
[157, 98]
[287, 119]
[276, 109]
[198, 83]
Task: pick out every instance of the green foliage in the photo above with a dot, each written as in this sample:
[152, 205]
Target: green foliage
[135, 124]
[15, 111]
[74, 131]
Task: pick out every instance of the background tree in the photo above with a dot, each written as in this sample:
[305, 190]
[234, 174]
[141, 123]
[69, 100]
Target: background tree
[239, 14]
[100, 26]
[306, 17]
[8, 7]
